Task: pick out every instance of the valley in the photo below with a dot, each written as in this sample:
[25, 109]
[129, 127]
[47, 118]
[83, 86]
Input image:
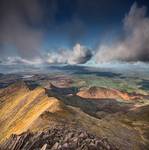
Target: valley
[33, 106]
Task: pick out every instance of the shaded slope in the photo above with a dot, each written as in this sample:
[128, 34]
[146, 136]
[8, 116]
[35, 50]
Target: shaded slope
[113, 124]
[139, 119]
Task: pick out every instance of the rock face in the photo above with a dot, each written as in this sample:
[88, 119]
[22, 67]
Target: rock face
[105, 93]
[58, 138]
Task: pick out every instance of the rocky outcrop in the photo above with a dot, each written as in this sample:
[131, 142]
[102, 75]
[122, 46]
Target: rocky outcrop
[58, 138]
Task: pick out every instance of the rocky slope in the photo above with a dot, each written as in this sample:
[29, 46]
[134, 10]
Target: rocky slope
[57, 138]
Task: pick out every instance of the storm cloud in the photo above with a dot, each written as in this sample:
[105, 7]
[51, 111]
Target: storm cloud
[134, 46]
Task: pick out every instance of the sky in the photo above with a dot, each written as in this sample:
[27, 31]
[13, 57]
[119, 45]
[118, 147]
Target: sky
[72, 32]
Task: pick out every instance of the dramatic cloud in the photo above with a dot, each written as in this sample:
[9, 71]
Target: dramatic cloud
[26, 27]
[79, 55]
[135, 44]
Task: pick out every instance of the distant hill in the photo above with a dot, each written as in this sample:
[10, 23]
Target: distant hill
[104, 93]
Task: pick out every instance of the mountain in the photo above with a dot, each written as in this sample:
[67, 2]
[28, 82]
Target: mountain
[27, 114]
[104, 93]
[41, 119]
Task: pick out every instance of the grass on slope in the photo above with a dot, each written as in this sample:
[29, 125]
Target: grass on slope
[20, 111]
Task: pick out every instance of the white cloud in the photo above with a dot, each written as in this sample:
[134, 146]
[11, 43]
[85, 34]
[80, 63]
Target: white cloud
[135, 45]
[78, 55]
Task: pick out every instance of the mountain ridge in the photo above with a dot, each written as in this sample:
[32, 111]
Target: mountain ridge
[31, 111]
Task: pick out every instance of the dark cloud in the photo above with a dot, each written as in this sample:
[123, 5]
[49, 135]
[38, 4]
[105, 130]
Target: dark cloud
[17, 27]
[24, 24]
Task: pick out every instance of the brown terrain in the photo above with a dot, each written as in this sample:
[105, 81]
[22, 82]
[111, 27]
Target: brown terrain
[57, 138]
[104, 93]
[43, 119]
[24, 112]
